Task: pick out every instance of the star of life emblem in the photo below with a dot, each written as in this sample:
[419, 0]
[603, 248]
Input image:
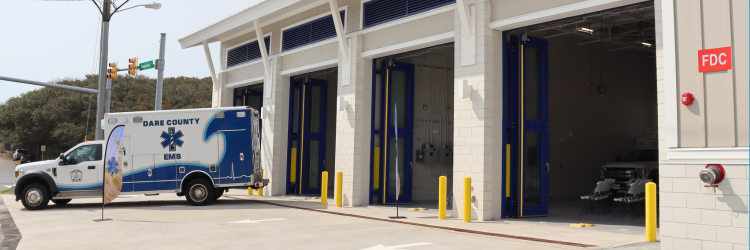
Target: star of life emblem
[171, 139]
[76, 175]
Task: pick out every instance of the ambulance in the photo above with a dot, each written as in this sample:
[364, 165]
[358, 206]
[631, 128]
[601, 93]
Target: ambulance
[196, 153]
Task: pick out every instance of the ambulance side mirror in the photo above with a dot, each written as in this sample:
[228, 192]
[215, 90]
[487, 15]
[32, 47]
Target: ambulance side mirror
[61, 160]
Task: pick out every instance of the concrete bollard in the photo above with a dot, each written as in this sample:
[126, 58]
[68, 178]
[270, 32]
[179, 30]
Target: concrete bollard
[467, 199]
[260, 190]
[324, 189]
[650, 212]
[339, 186]
[442, 197]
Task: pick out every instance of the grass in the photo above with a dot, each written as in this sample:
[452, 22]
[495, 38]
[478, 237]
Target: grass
[9, 158]
[7, 191]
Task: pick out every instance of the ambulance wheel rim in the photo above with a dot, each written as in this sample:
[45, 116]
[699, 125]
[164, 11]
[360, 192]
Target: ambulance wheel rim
[34, 196]
[198, 192]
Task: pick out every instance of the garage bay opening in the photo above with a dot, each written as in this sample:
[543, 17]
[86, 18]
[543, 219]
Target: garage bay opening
[312, 132]
[412, 128]
[580, 114]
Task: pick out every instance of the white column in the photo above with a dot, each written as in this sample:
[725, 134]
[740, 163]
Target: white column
[477, 119]
[275, 129]
[353, 125]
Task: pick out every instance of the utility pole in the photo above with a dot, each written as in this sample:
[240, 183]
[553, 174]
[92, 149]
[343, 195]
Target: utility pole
[109, 95]
[106, 15]
[160, 75]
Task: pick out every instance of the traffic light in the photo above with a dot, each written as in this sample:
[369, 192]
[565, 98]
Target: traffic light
[112, 71]
[133, 61]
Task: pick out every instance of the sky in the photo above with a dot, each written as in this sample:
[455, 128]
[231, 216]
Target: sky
[50, 40]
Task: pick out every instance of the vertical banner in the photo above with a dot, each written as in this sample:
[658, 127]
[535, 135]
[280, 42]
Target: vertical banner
[113, 165]
[395, 125]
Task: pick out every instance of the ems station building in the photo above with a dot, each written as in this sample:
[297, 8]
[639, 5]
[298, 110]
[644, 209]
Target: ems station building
[528, 98]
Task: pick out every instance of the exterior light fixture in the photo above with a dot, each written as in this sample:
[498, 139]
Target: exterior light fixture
[154, 6]
[585, 30]
[646, 44]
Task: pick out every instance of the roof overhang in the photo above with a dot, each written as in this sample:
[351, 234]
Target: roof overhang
[267, 12]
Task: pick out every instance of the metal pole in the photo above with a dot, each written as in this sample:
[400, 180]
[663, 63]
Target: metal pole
[59, 86]
[160, 68]
[102, 69]
[109, 95]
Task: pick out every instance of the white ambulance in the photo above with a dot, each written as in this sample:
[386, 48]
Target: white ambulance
[198, 153]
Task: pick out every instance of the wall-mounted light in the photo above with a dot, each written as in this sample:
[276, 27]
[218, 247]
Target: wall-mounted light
[341, 104]
[464, 89]
[585, 30]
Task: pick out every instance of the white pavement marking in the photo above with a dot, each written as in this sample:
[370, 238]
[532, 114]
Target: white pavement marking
[256, 221]
[381, 247]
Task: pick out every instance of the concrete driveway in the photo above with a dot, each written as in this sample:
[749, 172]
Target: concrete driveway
[239, 221]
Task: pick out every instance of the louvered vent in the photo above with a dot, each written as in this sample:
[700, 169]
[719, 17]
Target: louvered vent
[311, 32]
[382, 11]
[247, 52]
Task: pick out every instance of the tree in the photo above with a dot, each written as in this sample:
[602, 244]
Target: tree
[60, 119]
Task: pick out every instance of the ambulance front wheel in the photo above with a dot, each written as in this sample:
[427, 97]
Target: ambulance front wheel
[35, 196]
[200, 193]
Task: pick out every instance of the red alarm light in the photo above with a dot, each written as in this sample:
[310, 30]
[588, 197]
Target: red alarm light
[687, 98]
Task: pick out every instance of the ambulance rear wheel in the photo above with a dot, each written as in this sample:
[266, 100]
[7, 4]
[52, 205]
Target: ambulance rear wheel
[200, 193]
[35, 196]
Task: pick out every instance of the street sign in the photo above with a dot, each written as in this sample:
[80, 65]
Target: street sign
[146, 65]
[44, 148]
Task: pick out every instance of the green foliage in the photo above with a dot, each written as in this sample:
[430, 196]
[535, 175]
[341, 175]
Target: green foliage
[60, 119]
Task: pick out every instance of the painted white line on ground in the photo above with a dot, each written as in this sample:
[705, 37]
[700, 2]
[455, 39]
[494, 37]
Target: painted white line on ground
[381, 247]
[256, 221]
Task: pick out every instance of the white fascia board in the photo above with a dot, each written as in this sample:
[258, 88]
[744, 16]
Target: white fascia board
[552, 13]
[410, 45]
[310, 67]
[242, 18]
[242, 83]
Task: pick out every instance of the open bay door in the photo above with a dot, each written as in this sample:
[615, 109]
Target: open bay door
[528, 104]
[307, 136]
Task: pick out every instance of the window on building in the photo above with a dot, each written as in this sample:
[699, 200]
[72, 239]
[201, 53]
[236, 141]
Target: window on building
[246, 52]
[311, 32]
[382, 11]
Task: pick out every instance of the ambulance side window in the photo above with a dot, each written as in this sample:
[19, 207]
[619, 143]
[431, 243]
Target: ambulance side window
[81, 154]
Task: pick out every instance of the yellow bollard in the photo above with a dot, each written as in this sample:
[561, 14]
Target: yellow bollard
[260, 190]
[442, 196]
[339, 185]
[324, 189]
[650, 212]
[467, 199]
[249, 191]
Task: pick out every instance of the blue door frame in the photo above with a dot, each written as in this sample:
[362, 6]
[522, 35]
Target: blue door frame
[382, 166]
[304, 170]
[526, 123]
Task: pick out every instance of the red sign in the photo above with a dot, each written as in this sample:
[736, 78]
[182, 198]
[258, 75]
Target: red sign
[715, 59]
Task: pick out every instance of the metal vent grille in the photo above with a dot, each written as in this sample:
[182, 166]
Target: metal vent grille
[311, 32]
[382, 11]
[247, 52]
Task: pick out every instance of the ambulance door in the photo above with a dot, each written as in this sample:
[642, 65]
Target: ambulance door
[143, 172]
[82, 170]
[237, 161]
